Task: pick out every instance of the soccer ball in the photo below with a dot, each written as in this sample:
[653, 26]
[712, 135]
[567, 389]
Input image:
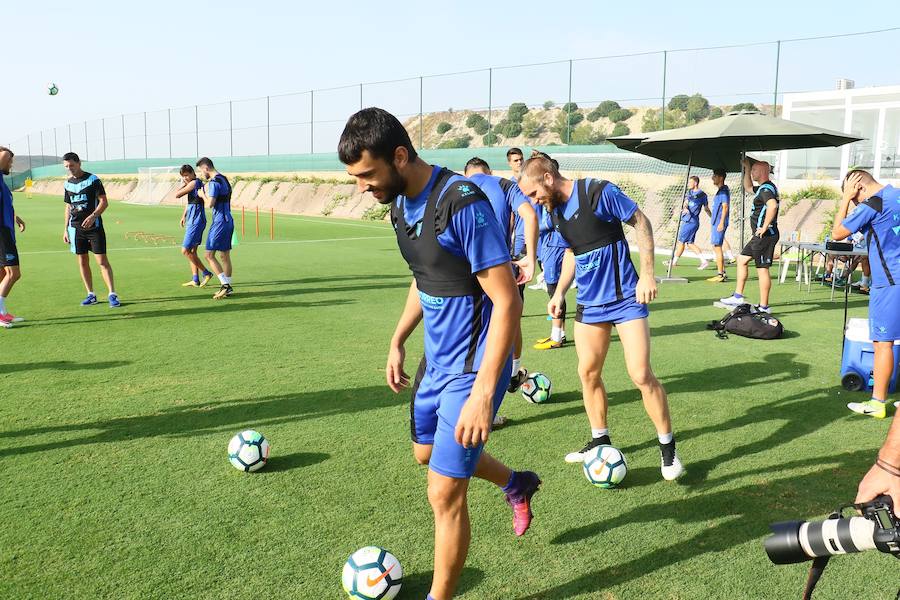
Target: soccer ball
[536, 388]
[248, 451]
[52, 89]
[605, 466]
[372, 573]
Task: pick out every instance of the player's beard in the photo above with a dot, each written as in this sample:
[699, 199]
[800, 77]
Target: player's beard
[394, 187]
[556, 196]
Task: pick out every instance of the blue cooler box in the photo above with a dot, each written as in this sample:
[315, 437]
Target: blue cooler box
[859, 358]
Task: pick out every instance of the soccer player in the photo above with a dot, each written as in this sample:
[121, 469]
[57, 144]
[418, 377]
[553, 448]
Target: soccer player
[85, 201]
[464, 291]
[507, 201]
[9, 254]
[876, 214]
[193, 220]
[218, 195]
[694, 202]
[514, 158]
[588, 214]
[718, 223]
[761, 247]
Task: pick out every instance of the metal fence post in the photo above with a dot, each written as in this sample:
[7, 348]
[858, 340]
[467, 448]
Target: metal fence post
[169, 116]
[146, 151]
[777, 65]
[268, 129]
[421, 117]
[70, 137]
[30, 158]
[42, 147]
[568, 114]
[123, 138]
[197, 129]
[230, 131]
[490, 100]
[662, 112]
[311, 119]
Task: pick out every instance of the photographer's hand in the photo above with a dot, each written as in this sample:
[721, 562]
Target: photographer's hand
[880, 481]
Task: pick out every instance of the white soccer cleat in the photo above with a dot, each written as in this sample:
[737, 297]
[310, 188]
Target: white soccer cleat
[499, 421]
[767, 310]
[703, 264]
[732, 301]
[673, 471]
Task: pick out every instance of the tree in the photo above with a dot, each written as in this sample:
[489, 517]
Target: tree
[457, 142]
[565, 123]
[679, 102]
[620, 114]
[570, 107]
[481, 127]
[606, 107]
[516, 112]
[532, 127]
[473, 119]
[443, 127]
[697, 108]
[584, 135]
[490, 139]
[508, 129]
[620, 129]
[549, 104]
[715, 112]
[744, 106]
[650, 121]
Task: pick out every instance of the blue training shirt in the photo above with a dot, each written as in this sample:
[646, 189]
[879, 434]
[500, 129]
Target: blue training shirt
[196, 213]
[7, 214]
[217, 187]
[695, 201]
[595, 271]
[721, 200]
[473, 234]
[505, 202]
[879, 218]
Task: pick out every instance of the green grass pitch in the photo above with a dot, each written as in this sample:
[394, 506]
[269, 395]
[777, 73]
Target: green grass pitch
[114, 426]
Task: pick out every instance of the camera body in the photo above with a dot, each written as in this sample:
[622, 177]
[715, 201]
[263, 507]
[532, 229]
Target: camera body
[799, 541]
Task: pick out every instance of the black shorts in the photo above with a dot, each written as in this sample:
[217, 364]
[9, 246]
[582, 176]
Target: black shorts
[9, 254]
[93, 240]
[761, 250]
[516, 275]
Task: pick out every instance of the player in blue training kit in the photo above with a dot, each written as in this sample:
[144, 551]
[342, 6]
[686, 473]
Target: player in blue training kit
[9, 253]
[718, 223]
[588, 214]
[193, 220]
[218, 195]
[463, 289]
[85, 201]
[695, 201]
[508, 201]
[877, 215]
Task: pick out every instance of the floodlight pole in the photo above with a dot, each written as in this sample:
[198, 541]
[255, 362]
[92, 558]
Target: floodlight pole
[662, 111]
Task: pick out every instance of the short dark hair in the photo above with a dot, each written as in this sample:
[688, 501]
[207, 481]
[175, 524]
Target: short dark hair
[514, 151]
[866, 176]
[720, 172]
[695, 178]
[5, 149]
[477, 163]
[375, 130]
[187, 170]
[71, 157]
[206, 162]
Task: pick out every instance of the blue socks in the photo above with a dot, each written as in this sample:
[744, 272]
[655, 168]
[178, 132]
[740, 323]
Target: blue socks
[511, 485]
[196, 278]
[207, 273]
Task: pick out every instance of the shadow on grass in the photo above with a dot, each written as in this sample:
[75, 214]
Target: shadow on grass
[211, 417]
[728, 518]
[215, 306]
[293, 461]
[417, 585]
[61, 365]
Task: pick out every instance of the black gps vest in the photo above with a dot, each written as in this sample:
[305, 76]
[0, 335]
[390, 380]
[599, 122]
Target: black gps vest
[585, 231]
[437, 271]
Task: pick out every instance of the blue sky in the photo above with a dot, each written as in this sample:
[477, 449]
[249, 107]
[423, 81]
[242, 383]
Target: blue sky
[119, 57]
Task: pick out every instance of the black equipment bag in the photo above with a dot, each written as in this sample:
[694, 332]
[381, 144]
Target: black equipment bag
[748, 322]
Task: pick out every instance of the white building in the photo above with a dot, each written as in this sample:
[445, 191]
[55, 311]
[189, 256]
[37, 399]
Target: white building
[871, 113]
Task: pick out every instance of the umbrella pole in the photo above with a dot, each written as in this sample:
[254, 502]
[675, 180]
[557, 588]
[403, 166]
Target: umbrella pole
[743, 198]
[668, 276]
